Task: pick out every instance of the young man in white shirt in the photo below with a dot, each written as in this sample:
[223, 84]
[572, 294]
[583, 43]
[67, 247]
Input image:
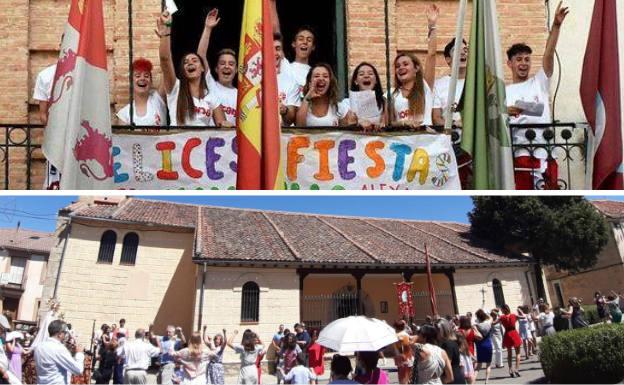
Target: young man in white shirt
[41, 94]
[441, 87]
[289, 91]
[528, 102]
[304, 44]
[223, 87]
[53, 362]
[440, 106]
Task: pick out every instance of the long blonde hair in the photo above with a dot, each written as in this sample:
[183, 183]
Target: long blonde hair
[416, 97]
[196, 345]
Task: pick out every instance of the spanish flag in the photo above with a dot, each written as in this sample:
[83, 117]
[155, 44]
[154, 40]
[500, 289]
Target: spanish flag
[258, 133]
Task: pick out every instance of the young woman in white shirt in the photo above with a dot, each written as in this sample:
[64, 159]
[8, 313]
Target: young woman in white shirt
[366, 78]
[412, 96]
[320, 107]
[223, 87]
[149, 106]
[189, 100]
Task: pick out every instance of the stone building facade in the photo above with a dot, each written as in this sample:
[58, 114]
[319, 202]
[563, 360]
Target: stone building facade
[237, 269]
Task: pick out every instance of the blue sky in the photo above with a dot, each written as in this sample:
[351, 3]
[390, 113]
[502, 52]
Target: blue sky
[39, 212]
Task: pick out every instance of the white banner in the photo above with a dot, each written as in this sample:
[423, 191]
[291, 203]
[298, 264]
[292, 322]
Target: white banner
[321, 161]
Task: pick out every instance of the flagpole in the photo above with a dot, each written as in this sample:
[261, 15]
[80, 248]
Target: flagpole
[434, 306]
[459, 33]
[390, 106]
[130, 59]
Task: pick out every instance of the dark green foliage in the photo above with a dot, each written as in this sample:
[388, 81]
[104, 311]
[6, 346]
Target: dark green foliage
[564, 232]
[592, 355]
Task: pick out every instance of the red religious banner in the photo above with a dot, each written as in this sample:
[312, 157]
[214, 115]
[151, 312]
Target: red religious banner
[404, 296]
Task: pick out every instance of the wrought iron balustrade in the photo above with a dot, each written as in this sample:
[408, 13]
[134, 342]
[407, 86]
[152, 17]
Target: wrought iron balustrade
[22, 165]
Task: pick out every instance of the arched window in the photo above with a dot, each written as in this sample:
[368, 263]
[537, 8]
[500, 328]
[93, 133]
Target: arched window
[499, 297]
[250, 302]
[107, 247]
[129, 249]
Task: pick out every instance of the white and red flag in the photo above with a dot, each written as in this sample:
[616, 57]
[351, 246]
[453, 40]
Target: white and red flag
[78, 137]
[600, 94]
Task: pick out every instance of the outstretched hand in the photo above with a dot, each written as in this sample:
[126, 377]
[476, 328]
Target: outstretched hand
[212, 19]
[163, 24]
[433, 12]
[560, 14]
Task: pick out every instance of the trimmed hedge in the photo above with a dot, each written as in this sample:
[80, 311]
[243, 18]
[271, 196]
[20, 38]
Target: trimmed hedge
[593, 355]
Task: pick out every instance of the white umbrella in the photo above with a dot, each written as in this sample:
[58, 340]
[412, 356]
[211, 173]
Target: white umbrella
[357, 334]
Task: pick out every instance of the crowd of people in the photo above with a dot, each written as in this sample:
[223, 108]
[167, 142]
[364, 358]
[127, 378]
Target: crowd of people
[189, 94]
[452, 349]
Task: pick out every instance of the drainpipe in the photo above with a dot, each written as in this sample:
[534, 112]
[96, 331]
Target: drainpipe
[201, 298]
[451, 278]
[60, 268]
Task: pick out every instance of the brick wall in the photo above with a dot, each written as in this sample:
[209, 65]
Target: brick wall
[32, 30]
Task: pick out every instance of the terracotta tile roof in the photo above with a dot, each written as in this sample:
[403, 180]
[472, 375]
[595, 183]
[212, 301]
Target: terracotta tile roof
[612, 209]
[27, 240]
[241, 235]
[140, 211]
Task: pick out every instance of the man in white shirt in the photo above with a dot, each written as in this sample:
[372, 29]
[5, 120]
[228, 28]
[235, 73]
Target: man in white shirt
[528, 102]
[304, 44]
[289, 91]
[441, 87]
[138, 355]
[53, 362]
[41, 94]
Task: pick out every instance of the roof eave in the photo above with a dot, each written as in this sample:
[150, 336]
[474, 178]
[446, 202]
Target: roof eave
[198, 259]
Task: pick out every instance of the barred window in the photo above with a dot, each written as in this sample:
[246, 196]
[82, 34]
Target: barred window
[499, 296]
[129, 249]
[250, 302]
[107, 247]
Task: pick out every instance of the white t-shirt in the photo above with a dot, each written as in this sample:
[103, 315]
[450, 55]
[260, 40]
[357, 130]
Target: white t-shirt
[204, 108]
[43, 85]
[332, 119]
[534, 90]
[155, 115]
[226, 96]
[289, 90]
[297, 71]
[300, 375]
[440, 95]
[401, 106]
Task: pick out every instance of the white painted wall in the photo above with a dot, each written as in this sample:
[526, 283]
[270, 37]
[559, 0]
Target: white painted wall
[33, 288]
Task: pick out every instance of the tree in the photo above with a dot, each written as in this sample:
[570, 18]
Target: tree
[567, 233]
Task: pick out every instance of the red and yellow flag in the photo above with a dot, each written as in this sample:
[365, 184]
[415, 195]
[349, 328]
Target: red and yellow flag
[78, 137]
[259, 132]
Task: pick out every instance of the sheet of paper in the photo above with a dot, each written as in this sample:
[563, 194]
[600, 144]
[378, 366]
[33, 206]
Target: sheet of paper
[530, 108]
[364, 105]
[171, 6]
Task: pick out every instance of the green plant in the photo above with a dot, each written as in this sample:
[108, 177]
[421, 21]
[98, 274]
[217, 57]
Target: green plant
[592, 355]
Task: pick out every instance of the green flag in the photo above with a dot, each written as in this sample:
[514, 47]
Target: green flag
[485, 133]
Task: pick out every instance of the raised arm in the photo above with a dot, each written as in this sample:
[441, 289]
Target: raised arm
[230, 341]
[212, 20]
[275, 17]
[430, 63]
[548, 61]
[166, 62]
[205, 337]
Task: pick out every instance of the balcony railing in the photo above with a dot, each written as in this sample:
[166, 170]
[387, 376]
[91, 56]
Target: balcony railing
[22, 164]
[11, 278]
